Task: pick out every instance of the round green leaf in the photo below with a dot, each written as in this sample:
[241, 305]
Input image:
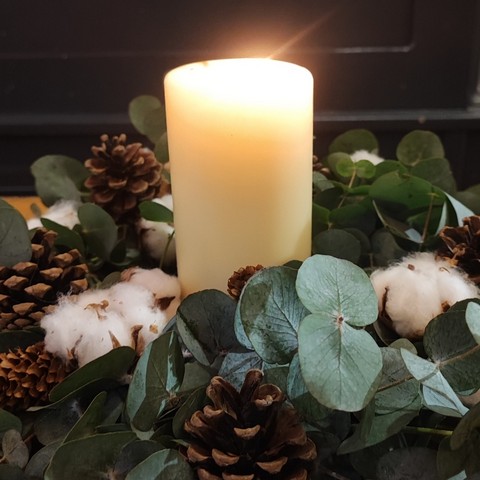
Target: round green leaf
[388, 166]
[437, 171]
[155, 212]
[156, 379]
[271, 311]
[141, 110]
[91, 457]
[306, 405]
[338, 290]
[99, 229]
[112, 365]
[449, 343]
[132, 454]
[404, 194]
[66, 237]
[340, 364]
[12, 472]
[359, 215]
[365, 169]
[37, 465]
[15, 243]
[353, 140]
[58, 177]
[161, 152]
[341, 164]
[205, 321]
[337, 243]
[163, 465]
[15, 451]
[418, 145]
[236, 365]
[417, 463]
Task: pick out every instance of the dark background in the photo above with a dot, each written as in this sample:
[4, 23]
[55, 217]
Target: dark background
[69, 69]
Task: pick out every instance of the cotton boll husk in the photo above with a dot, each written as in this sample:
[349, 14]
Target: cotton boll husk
[366, 155]
[64, 212]
[417, 289]
[155, 235]
[162, 285]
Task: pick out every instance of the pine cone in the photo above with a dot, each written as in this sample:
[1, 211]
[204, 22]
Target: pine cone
[461, 246]
[122, 176]
[248, 434]
[239, 278]
[27, 376]
[29, 288]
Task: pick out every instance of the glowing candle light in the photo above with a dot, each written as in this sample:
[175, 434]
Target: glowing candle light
[240, 135]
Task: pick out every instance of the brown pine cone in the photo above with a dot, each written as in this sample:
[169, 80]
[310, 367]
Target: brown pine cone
[28, 289]
[461, 246]
[248, 434]
[27, 376]
[122, 176]
[239, 278]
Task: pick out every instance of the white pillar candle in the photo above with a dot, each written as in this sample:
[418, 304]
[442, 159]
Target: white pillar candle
[240, 136]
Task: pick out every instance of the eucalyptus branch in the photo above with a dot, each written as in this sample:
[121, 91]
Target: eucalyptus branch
[427, 431]
[427, 219]
[349, 186]
[165, 250]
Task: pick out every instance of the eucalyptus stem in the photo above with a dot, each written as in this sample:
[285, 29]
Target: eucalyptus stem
[350, 185]
[165, 250]
[427, 431]
[428, 218]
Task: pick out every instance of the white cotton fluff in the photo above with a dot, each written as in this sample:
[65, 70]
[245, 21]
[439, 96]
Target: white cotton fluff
[417, 289]
[366, 155]
[90, 324]
[64, 212]
[162, 285]
[155, 235]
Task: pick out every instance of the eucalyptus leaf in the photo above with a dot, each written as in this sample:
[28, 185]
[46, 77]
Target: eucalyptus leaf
[466, 429]
[353, 140]
[306, 405]
[271, 311]
[451, 463]
[357, 215]
[15, 243]
[139, 110]
[91, 418]
[429, 375]
[388, 166]
[458, 211]
[156, 379]
[351, 362]
[99, 229]
[155, 212]
[163, 465]
[40, 460]
[195, 401]
[205, 321]
[365, 169]
[341, 164]
[66, 237]
[8, 421]
[58, 177]
[132, 454]
[162, 154]
[15, 451]
[337, 243]
[112, 365]
[472, 318]
[449, 343]
[90, 457]
[419, 145]
[236, 365]
[338, 290]
[437, 171]
[415, 463]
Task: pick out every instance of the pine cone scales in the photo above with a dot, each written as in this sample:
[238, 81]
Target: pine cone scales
[248, 434]
[28, 288]
[239, 278]
[122, 176]
[461, 246]
[27, 376]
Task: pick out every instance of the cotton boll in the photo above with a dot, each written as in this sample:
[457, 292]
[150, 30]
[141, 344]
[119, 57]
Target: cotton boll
[64, 212]
[366, 155]
[156, 235]
[417, 289]
[166, 288]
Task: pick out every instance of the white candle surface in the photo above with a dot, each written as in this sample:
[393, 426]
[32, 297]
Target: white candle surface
[240, 136]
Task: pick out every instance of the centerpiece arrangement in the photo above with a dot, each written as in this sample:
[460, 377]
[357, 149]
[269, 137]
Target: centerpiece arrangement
[360, 362]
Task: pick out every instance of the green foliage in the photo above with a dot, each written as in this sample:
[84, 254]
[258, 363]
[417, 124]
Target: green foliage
[15, 244]
[58, 177]
[413, 197]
